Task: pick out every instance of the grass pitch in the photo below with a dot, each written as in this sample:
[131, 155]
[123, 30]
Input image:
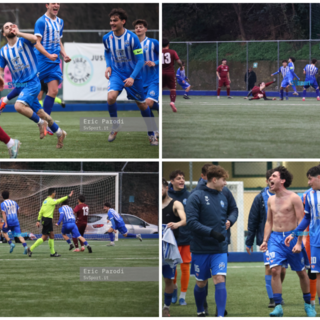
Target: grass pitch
[246, 294]
[205, 127]
[51, 287]
[78, 145]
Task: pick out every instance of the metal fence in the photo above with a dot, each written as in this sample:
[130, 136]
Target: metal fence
[265, 57]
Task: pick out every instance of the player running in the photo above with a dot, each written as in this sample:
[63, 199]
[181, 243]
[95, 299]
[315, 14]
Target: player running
[258, 91]
[285, 210]
[10, 210]
[45, 217]
[124, 58]
[224, 78]
[310, 70]
[18, 54]
[69, 226]
[169, 56]
[182, 80]
[291, 61]
[117, 224]
[287, 79]
[82, 212]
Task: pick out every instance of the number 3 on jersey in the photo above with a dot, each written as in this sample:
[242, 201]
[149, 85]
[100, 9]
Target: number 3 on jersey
[166, 58]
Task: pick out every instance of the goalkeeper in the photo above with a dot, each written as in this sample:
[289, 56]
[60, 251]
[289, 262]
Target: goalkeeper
[46, 215]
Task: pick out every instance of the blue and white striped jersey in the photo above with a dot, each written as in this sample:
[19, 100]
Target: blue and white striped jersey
[312, 207]
[311, 71]
[66, 215]
[123, 50]
[181, 74]
[113, 214]
[50, 32]
[20, 59]
[285, 71]
[10, 208]
[150, 49]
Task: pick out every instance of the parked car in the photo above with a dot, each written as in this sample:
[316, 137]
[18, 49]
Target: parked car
[97, 224]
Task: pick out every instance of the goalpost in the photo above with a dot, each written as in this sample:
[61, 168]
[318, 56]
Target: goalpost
[30, 189]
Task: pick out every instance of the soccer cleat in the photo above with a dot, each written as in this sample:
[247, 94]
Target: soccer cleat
[206, 311]
[218, 97]
[173, 107]
[281, 99]
[287, 98]
[13, 151]
[277, 312]
[49, 132]
[63, 104]
[202, 314]
[157, 134]
[112, 136]
[25, 250]
[225, 312]
[182, 302]
[186, 97]
[89, 249]
[76, 250]
[229, 97]
[55, 255]
[139, 237]
[153, 140]
[111, 244]
[165, 312]
[174, 296]
[12, 245]
[29, 252]
[82, 249]
[318, 98]
[272, 304]
[295, 93]
[60, 140]
[71, 246]
[309, 310]
[304, 99]
[2, 105]
[43, 128]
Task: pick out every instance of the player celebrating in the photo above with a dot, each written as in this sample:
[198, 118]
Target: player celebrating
[10, 210]
[285, 209]
[82, 212]
[258, 91]
[310, 70]
[169, 56]
[291, 61]
[117, 224]
[224, 78]
[287, 79]
[23, 68]
[182, 80]
[46, 215]
[124, 58]
[69, 226]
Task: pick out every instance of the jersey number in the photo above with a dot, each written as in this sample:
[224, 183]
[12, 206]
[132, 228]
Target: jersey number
[85, 211]
[166, 58]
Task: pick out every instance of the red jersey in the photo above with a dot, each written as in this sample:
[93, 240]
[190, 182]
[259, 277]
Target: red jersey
[223, 71]
[256, 90]
[168, 58]
[82, 211]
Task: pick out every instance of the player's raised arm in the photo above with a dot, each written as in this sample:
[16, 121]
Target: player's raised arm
[273, 74]
[179, 209]
[15, 30]
[267, 228]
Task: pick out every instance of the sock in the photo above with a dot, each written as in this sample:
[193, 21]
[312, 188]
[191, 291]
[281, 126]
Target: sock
[9, 242]
[57, 100]
[36, 244]
[183, 295]
[304, 93]
[147, 114]
[294, 88]
[228, 92]
[51, 246]
[75, 241]
[5, 100]
[268, 286]
[317, 91]
[113, 113]
[68, 241]
[185, 276]
[155, 106]
[35, 118]
[48, 104]
[152, 115]
[10, 143]
[287, 93]
[24, 245]
[277, 297]
[54, 128]
[313, 289]
[4, 137]
[319, 300]
[200, 296]
[173, 95]
[205, 301]
[307, 297]
[185, 93]
[218, 92]
[14, 93]
[86, 243]
[281, 94]
[111, 235]
[175, 277]
[221, 298]
[131, 235]
[167, 299]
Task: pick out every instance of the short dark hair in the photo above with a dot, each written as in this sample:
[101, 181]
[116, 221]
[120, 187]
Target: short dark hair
[140, 21]
[314, 61]
[119, 12]
[269, 173]
[5, 194]
[108, 204]
[2, 29]
[65, 202]
[284, 175]
[204, 169]
[81, 198]
[51, 191]
[176, 173]
[216, 172]
[223, 60]
[165, 42]
[314, 171]
[292, 59]
[285, 61]
[165, 182]
[183, 63]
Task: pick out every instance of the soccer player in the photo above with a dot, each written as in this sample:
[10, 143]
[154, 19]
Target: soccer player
[169, 56]
[124, 58]
[291, 61]
[18, 54]
[45, 217]
[224, 78]
[256, 223]
[287, 79]
[13, 145]
[117, 224]
[258, 91]
[174, 217]
[182, 80]
[310, 70]
[82, 212]
[150, 70]
[10, 210]
[69, 226]
[285, 211]
[49, 30]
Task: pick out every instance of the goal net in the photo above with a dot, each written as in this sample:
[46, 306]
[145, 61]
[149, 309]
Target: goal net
[30, 189]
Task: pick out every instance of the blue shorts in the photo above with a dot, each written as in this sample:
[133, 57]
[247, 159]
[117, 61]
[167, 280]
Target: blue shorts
[135, 92]
[184, 85]
[266, 260]
[286, 82]
[49, 72]
[16, 231]
[152, 92]
[122, 229]
[28, 94]
[310, 82]
[207, 265]
[279, 253]
[168, 272]
[315, 259]
[71, 228]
